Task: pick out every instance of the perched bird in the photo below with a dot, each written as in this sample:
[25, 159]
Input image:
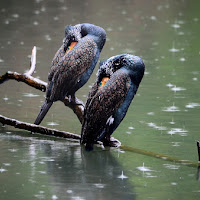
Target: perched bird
[118, 79]
[73, 63]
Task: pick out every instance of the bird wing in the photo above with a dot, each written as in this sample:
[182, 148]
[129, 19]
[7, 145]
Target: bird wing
[103, 104]
[65, 75]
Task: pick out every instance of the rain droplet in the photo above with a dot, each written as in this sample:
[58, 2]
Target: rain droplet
[192, 105]
[175, 26]
[3, 170]
[182, 59]
[174, 50]
[122, 176]
[54, 197]
[153, 18]
[144, 169]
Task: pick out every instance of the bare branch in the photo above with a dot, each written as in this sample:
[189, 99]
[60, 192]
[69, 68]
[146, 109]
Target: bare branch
[29, 80]
[37, 129]
[32, 63]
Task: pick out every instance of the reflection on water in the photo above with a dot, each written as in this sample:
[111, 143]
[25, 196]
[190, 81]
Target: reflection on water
[163, 118]
[60, 170]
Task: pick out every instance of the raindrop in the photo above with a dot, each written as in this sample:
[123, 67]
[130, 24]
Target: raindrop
[64, 8]
[144, 169]
[6, 164]
[170, 166]
[56, 18]
[3, 170]
[171, 109]
[182, 59]
[192, 105]
[174, 50]
[7, 21]
[42, 172]
[99, 185]
[13, 150]
[1, 60]
[109, 29]
[150, 113]
[175, 26]
[131, 128]
[37, 12]
[5, 98]
[175, 144]
[169, 85]
[181, 33]
[30, 95]
[180, 131]
[122, 176]
[47, 37]
[15, 15]
[43, 9]
[195, 79]
[175, 89]
[54, 197]
[153, 18]
[35, 23]
[124, 12]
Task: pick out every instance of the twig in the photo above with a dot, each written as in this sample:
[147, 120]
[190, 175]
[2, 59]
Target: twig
[37, 129]
[32, 63]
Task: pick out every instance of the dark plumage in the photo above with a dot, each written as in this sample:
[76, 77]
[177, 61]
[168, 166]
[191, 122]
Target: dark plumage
[73, 63]
[107, 104]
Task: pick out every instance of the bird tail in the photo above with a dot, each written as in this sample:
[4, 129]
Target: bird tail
[44, 109]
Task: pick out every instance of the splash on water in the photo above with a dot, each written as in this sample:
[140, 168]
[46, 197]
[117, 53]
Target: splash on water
[2, 170]
[52, 123]
[122, 176]
[192, 105]
[179, 131]
[171, 109]
[170, 166]
[30, 95]
[144, 169]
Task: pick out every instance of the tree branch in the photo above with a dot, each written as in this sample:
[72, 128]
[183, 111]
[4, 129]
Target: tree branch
[37, 129]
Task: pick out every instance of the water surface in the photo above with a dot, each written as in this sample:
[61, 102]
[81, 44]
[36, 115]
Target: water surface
[163, 117]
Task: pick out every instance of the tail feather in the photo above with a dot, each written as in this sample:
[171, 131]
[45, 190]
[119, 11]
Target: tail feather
[44, 109]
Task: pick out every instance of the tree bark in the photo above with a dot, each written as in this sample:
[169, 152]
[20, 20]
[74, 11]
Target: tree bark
[37, 129]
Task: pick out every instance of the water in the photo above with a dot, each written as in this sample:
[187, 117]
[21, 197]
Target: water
[163, 118]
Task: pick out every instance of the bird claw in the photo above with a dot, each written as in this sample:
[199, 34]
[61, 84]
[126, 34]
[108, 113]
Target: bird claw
[112, 142]
[74, 100]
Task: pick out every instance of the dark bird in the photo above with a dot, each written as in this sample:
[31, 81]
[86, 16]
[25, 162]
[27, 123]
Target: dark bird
[118, 79]
[73, 63]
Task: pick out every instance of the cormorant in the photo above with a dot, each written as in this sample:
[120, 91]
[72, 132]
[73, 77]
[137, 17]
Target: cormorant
[73, 63]
[118, 79]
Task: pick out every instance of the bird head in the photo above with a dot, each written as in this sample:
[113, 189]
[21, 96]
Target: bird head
[72, 35]
[133, 64]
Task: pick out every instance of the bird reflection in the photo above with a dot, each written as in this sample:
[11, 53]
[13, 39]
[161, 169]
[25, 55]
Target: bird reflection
[83, 175]
[73, 64]
[117, 82]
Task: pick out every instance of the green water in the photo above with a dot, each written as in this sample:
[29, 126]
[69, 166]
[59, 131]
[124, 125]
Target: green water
[163, 117]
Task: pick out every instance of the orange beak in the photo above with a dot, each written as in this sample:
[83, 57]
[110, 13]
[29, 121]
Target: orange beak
[103, 81]
[71, 46]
